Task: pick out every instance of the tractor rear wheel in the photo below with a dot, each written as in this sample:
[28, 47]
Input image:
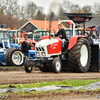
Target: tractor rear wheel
[79, 57]
[28, 66]
[15, 57]
[56, 65]
[6, 57]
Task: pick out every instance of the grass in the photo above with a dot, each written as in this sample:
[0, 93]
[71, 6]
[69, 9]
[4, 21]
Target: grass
[74, 83]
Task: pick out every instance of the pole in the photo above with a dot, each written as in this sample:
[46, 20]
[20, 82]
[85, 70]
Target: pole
[45, 23]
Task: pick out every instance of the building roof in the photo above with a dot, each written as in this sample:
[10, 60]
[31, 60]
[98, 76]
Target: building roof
[44, 25]
[94, 22]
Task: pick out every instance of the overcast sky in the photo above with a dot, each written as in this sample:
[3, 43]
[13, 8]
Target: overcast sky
[46, 3]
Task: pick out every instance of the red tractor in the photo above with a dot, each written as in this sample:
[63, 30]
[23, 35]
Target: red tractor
[78, 54]
[49, 55]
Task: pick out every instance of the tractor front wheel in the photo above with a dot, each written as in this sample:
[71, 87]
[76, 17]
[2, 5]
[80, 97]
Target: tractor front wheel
[56, 65]
[28, 66]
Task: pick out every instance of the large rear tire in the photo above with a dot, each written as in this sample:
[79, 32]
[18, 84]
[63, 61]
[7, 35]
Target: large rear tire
[28, 66]
[6, 57]
[15, 57]
[79, 57]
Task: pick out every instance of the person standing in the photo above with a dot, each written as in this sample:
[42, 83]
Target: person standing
[32, 48]
[25, 49]
[61, 33]
[89, 38]
[30, 45]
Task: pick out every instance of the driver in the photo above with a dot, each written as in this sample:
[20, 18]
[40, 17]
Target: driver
[61, 33]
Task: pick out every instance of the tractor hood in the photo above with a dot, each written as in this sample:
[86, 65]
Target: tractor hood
[46, 42]
[49, 47]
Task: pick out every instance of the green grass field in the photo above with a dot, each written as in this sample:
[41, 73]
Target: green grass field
[74, 83]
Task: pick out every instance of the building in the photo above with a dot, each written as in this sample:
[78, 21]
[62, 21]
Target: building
[40, 24]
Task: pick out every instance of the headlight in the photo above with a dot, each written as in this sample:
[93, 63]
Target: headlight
[37, 54]
[43, 53]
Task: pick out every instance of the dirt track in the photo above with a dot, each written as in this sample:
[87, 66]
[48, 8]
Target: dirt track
[9, 77]
[16, 75]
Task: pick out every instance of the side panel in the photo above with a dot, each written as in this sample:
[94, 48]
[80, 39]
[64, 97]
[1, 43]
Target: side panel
[32, 54]
[94, 65]
[54, 48]
[51, 47]
[73, 41]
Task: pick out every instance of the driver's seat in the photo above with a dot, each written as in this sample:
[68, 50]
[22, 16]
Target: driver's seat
[64, 49]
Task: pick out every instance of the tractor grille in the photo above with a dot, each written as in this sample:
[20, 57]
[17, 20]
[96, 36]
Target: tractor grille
[40, 49]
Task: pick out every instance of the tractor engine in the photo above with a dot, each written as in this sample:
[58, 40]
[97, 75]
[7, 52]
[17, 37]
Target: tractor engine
[48, 48]
[47, 53]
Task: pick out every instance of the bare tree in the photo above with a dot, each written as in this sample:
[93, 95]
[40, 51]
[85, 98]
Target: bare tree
[22, 16]
[60, 13]
[66, 5]
[40, 15]
[30, 10]
[9, 13]
[10, 7]
[96, 9]
[75, 7]
[69, 7]
[87, 9]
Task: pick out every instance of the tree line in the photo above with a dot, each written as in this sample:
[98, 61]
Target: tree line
[14, 15]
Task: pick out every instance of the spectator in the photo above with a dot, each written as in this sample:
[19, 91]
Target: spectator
[94, 36]
[25, 49]
[30, 45]
[89, 38]
[26, 36]
[61, 33]
[32, 48]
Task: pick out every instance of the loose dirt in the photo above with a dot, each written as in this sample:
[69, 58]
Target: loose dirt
[19, 76]
[73, 95]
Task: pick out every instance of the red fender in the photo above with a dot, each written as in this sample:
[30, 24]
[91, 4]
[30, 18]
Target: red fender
[73, 41]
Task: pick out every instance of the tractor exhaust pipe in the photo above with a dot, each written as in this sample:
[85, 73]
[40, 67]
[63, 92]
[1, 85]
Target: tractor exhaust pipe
[49, 34]
[50, 22]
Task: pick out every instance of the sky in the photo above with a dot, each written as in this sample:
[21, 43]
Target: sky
[46, 3]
